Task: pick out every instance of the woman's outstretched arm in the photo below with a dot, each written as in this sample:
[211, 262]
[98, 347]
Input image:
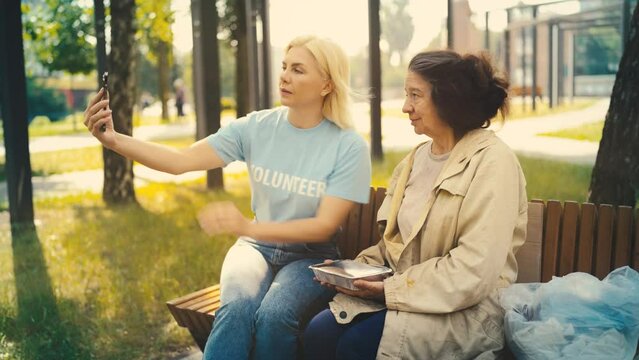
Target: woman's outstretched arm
[199, 156]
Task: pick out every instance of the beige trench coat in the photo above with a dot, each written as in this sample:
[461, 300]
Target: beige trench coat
[442, 300]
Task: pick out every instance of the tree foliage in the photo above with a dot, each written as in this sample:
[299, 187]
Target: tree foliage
[61, 34]
[228, 27]
[397, 27]
[598, 51]
[154, 30]
[154, 20]
[45, 101]
[227, 69]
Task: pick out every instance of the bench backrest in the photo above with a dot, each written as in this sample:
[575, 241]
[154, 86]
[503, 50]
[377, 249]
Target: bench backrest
[560, 239]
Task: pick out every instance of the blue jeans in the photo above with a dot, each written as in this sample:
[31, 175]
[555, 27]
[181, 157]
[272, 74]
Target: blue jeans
[325, 339]
[267, 297]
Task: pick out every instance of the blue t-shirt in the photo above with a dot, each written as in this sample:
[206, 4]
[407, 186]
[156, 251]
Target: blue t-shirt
[290, 169]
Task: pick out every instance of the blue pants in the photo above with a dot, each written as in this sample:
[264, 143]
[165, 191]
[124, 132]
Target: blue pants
[325, 339]
[267, 297]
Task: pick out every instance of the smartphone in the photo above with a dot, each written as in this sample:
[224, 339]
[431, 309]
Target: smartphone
[105, 96]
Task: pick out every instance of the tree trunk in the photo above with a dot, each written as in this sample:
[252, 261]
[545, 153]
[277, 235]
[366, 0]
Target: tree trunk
[118, 171]
[375, 72]
[13, 101]
[206, 77]
[246, 77]
[242, 87]
[163, 77]
[615, 177]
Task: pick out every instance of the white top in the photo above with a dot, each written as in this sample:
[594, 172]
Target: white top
[426, 169]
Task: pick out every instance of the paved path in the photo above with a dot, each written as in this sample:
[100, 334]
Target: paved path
[521, 135]
[78, 141]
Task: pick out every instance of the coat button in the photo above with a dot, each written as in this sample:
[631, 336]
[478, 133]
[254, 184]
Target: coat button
[342, 314]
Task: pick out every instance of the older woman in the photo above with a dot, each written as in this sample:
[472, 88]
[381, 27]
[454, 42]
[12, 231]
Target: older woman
[453, 218]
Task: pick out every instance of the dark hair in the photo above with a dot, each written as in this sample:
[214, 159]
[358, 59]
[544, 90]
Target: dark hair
[466, 90]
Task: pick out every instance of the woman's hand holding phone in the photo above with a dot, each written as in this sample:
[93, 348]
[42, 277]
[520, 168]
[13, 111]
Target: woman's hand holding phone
[98, 115]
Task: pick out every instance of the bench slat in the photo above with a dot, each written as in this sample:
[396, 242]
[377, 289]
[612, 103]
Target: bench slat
[551, 240]
[366, 220]
[350, 247]
[568, 238]
[175, 305]
[380, 195]
[197, 307]
[603, 245]
[197, 336]
[529, 255]
[342, 235]
[194, 295]
[210, 309]
[204, 303]
[586, 245]
[198, 323]
[623, 237]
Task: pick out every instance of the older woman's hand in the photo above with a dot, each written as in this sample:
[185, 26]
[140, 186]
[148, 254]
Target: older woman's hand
[373, 290]
[223, 217]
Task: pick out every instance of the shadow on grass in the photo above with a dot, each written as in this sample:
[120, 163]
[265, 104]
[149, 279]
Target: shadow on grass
[37, 329]
[129, 261]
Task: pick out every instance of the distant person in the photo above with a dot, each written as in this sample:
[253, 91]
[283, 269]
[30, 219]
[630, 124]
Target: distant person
[146, 99]
[179, 97]
[454, 216]
[307, 168]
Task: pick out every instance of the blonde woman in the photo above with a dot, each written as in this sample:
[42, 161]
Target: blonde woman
[307, 168]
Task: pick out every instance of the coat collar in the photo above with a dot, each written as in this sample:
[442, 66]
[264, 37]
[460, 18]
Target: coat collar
[473, 142]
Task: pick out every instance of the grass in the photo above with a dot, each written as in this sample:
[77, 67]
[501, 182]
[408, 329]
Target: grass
[555, 180]
[90, 281]
[89, 158]
[588, 132]
[546, 179]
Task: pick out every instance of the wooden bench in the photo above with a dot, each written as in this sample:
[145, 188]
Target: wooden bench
[527, 91]
[560, 240]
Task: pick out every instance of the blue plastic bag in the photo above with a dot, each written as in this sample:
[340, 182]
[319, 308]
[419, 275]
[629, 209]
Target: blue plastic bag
[574, 317]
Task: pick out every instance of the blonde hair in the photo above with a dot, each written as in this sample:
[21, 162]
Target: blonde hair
[333, 64]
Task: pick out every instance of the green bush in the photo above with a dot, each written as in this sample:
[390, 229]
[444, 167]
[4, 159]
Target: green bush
[44, 101]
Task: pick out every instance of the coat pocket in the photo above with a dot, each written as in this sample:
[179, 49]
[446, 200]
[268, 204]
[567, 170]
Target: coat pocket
[489, 319]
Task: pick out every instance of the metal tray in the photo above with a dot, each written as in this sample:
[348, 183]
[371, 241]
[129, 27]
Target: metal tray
[343, 272]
